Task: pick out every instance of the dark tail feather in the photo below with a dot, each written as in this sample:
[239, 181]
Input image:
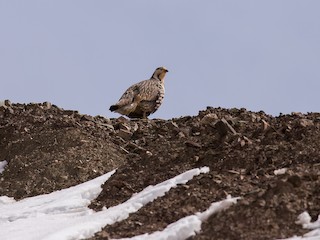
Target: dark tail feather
[113, 108]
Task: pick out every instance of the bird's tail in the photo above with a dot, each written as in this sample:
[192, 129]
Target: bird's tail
[113, 108]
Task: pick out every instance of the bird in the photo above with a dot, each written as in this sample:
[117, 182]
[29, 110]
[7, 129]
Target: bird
[143, 98]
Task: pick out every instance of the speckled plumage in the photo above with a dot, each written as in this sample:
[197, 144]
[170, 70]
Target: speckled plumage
[143, 98]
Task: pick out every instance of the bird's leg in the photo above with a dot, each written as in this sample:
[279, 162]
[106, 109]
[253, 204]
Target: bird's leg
[144, 116]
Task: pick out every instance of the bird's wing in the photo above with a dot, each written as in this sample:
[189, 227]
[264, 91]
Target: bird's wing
[148, 90]
[128, 96]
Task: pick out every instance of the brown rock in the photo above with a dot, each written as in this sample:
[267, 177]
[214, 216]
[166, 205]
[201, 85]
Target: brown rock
[224, 127]
[124, 126]
[295, 180]
[306, 122]
[255, 118]
[265, 126]
[125, 134]
[193, 144]
[172, 125]
[244, 141]
[108, 126]
[3, 108]
[298, 114]
[209, 119]
[8, 103]
[87, 118]
[47, 105]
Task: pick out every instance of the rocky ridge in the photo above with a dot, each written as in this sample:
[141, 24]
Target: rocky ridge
[272, 163]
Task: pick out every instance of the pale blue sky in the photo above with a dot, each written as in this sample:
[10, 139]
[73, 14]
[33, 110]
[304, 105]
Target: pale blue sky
[82, 55]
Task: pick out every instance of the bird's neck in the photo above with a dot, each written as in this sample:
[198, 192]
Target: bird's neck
[159, 77]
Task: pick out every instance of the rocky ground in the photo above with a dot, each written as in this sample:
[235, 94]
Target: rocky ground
[48, 148]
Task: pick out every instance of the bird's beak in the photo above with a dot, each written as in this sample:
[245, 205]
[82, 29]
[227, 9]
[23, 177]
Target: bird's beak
[166, 70]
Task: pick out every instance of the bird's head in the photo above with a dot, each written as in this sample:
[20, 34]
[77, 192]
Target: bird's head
[160, 73]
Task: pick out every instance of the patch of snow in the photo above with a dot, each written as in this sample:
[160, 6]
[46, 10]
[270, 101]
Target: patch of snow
[312, 225]
[280, 171]
[216, 207]
[2, 165]
[40, 216]
[71, 200]
[187, 226]
[6, 200]
[64, 214]
[305, 220]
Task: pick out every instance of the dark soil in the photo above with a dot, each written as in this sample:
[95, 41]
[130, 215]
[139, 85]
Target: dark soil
[48, 148]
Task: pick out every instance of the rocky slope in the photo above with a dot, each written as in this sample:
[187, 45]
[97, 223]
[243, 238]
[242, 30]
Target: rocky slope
[48, 148]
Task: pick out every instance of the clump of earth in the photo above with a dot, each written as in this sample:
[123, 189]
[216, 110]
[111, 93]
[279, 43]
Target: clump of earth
[272, 163]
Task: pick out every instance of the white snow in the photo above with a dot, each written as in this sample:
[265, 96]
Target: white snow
[280, 171]
[64, 214]
[187, 226]
[5, 200]
[2, 165]
[305, 220]
[71, 200]
[42, 216]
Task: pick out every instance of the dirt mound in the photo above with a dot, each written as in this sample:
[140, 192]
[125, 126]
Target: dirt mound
[49, 148]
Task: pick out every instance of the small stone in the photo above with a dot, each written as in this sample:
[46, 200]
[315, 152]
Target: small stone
[193, 144]
[247, 140]
[10, 110]
[87, 118]
[181, 135]
[135, 127]
[109, 126]
[7, 103]
[104, 234]
[265, 125]
[244, 202]
[243, 140]
[124, 126]
[3, 108]
[173, 126]
[255, 118]
[229, 126]
[223, 127]
[306, 122]
[71, 113]
[261, 202]
[122, 119]
[297, 114]
[47, 105]
[106, 120]
[295, 180]
[124, 134]
[149, 153]
[209, 119]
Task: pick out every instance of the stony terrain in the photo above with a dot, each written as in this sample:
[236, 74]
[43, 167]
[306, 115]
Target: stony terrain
[48, 148]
